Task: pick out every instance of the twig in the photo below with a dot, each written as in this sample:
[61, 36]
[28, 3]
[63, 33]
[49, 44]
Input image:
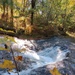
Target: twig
[14, 60]
[34, 45]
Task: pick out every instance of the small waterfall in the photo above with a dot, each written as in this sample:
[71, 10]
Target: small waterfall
[49, 55]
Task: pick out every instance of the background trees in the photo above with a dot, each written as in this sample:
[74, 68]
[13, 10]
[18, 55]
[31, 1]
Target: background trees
[56, 14]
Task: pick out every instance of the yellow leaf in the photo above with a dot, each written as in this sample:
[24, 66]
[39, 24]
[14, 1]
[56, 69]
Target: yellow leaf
[7, 64]
[71, 3]
[55, 72]
[1, 48]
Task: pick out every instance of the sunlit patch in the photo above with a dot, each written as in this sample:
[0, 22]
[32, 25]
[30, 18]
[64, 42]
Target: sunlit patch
[28, 29]
[7, 65]
[3, 47]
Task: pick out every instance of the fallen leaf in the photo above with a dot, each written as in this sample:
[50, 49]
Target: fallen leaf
[7, 64]
[19, 58]
[55, 72]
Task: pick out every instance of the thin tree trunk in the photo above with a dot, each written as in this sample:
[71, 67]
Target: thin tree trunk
[64, 22]
[14, 61]
[4, 7]
[32, 12]
[32, 16]
[12, 12]
[24, 4]
[7, 13]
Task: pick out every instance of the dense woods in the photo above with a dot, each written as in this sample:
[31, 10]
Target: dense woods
[34, 37]
[44, 17]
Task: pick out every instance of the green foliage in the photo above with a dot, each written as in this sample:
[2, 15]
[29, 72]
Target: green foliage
[46, 12]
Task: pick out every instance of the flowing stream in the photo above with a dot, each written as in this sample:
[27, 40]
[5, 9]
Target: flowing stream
[48, 55]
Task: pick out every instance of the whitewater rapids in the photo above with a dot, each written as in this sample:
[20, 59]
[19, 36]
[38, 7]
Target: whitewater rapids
[49, 55]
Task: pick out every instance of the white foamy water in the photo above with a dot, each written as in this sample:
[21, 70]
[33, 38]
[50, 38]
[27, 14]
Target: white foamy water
[42, 58]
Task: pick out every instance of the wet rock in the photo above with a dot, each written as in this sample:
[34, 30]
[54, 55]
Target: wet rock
[64, 71]
[5, 55]
[40, 71]
[5, 46]
[2, 71]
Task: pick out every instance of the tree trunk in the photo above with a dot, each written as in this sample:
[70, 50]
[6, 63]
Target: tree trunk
[12, 12]
[32, 12]
[7, 12]
[24, 4]
[3, 15]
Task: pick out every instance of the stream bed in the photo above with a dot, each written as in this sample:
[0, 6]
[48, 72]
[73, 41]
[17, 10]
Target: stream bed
[39, 56]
